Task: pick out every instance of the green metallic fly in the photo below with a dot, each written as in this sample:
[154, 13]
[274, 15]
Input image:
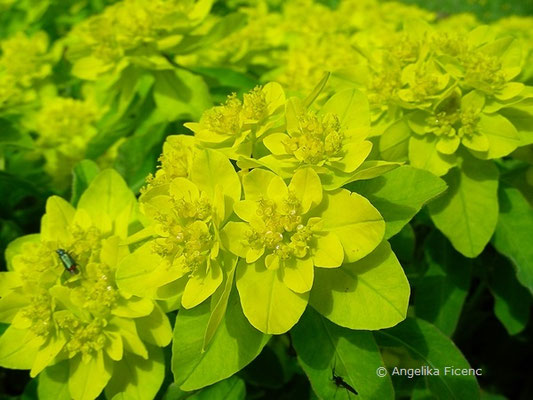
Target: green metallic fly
[68, 262]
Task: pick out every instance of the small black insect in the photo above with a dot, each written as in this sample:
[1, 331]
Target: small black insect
[339, 381]
[68, 262]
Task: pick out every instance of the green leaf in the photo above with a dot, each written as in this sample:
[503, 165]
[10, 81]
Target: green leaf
[324, 348]
[372, 293]
[30, 391]
[15, 247]
[403, 244]
[311, 97]
[154, 328]
[87, 380]
[512, 301]
[211, 169]
[138, 154]
[83, 174]
[175, 393]
[513, 233]
[143, 271]
[180, 94]
[235, 344]
[367, 170]
[224, 26]
[126, 115]
[432, 348]
[267, 302]
[53, 382]
[394, 142]
[501, 134]
[522, 121]
[18, 348]
[232, 388]
[135, 378]
[274, 367]
[355, 222]
[423, 154]
[59, 215]
[11, 136]
[226, 78]
[219, 302]
[441, 292]
[468, 212]
[399, 194]
[108, 197]
[351, 106]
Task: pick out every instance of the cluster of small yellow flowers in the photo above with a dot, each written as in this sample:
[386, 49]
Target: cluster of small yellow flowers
[66, 121]
[175, 161]
[383, 86]
[306, 62]
[184, 210]
[64, 127]
[23, 62]
[225, 119]
[235, 125]
[402, 48]
[76, 310]
[234, 116]
[39, 257]
[186, 234]
[459, 123]
[255, 43]
[39, 313]
[91, 287]
[85, 338]
[480, 69]
[280, 230]
[423, 83]
[86, 242]
[443, 123]
[317, 138]
[137, 29]
[254, 106]
[24, 59]
[62, 300]
[98, 290]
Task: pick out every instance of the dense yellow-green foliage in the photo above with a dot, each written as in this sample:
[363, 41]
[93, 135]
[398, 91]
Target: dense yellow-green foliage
[248, 168]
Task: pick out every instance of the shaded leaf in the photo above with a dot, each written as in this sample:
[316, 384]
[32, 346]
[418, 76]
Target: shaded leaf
[372, 293]
[83, 173]
[235, 344]
[467, 213]
[352, 355]
[513, 233]
[441, 292]
[399, 194]
[433, 349]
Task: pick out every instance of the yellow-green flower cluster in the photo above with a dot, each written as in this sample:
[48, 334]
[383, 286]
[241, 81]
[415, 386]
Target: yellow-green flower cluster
[412, 66]
[64, 127]
[237, 125]
[63, 304]
[24, 62]
[185, 205]
[199, 230]
[139, 32]
[256, 43]
[455, 94]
